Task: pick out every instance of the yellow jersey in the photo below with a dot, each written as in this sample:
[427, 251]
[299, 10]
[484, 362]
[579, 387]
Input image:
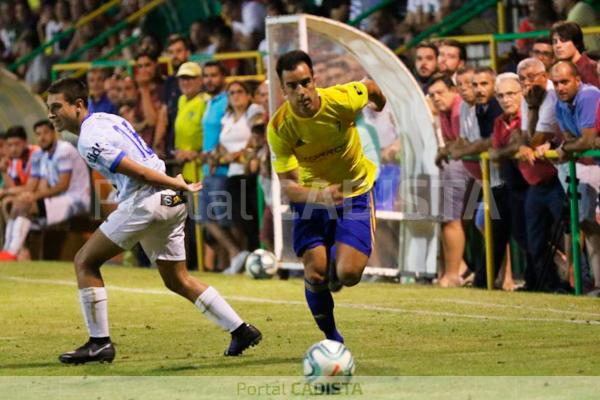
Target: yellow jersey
[188, 131]
[325, 147]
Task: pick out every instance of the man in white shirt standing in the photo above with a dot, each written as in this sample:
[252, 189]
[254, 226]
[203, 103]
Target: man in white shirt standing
[63, 190]
[151, 211]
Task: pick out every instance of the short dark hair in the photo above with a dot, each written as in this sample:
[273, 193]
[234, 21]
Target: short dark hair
[427, 45]
[569, 31]
[441, 77]
[544, 40]
[462, 50]
[485, 70]
[465, 70]
[291, 59]
[71, 88]
[43, 122]
[259, 129]
[217, 64]
[146, 52]
[569, 64]
[16, 131]
[176, 37]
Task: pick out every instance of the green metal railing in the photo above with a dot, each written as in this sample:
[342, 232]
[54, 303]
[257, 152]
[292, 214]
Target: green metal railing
[459, 17]
[573, 215]
[86, 19]
[113, 30]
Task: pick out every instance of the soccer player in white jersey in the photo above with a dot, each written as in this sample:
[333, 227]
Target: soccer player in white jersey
[151, 211]
[63, 189]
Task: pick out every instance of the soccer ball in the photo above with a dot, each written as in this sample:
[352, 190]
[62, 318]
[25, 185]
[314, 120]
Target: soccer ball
[261, 264]
[328, 365]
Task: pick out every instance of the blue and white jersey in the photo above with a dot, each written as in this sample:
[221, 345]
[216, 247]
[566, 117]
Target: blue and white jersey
[104, 140]
[65, 159]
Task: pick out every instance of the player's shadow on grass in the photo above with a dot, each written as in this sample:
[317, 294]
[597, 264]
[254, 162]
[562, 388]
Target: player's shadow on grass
[229, 363]
[5, 367]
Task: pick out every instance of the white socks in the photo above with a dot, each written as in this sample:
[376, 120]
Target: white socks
[216, 309]
[95, 311]
[16, 234]
[8, 232]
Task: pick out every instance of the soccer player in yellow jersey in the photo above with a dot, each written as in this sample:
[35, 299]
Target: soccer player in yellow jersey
[318, 157]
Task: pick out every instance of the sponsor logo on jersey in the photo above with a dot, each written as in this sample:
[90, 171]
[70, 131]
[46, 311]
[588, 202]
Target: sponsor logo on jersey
[326, 153]
[94, 153]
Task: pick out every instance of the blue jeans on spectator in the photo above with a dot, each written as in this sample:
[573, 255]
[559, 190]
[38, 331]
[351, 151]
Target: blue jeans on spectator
[544, 208]
[509, 220]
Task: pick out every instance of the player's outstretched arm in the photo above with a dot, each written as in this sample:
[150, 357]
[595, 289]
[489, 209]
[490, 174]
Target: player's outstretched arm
[375, 93]
[297, 193]
[155, 178]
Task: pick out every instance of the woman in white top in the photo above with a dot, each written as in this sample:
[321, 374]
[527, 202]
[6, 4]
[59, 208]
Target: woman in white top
[236, 127]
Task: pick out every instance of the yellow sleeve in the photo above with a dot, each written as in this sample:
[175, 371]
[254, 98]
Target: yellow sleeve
[282, 156]
[357, 95]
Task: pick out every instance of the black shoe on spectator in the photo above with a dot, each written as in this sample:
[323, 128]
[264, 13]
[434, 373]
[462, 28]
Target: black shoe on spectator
[244, 336]
[90, 351]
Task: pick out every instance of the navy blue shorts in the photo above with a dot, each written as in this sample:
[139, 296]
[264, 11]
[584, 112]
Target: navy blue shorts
[352, 223]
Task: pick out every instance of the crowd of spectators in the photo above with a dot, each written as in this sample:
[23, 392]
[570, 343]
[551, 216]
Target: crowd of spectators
[212, 129]
[550, 101]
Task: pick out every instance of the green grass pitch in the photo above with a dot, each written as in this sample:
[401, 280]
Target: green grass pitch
[390, 329]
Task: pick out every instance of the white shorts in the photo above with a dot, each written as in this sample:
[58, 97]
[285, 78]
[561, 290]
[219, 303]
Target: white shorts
[60, 208]
[159, 229]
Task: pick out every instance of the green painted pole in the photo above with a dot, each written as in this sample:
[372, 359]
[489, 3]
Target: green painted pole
[260, 206]
[575, 239]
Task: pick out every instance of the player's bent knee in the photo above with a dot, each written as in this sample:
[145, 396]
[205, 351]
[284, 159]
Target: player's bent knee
[350, 278]
[314, 276]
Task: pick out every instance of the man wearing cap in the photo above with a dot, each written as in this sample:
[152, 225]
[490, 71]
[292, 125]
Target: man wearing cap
[188, 122]
[188, 136]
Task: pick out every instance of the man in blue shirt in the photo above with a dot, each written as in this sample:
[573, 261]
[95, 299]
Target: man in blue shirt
[98, 100]
[214, 202]
[576, 115]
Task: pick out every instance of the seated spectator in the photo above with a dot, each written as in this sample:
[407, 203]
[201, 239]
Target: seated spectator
[541, 17]
[36, 72]
[542, 50]
[200, 37]
[59, 22]
[241, 114]
[98, 99]
[111, 88]
[567, 43]
[422, 13]
[63, 190]
[426, 55]
[8, 31]
[188, 122]
[247, 19]
[16, 166]
[21, 155]
[584, 15]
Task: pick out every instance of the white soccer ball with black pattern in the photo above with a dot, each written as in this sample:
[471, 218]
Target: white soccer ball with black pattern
[327, 364]
[261, 264]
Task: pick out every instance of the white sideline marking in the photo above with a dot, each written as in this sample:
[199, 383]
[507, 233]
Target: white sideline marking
[366, 307]
[484, 304]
